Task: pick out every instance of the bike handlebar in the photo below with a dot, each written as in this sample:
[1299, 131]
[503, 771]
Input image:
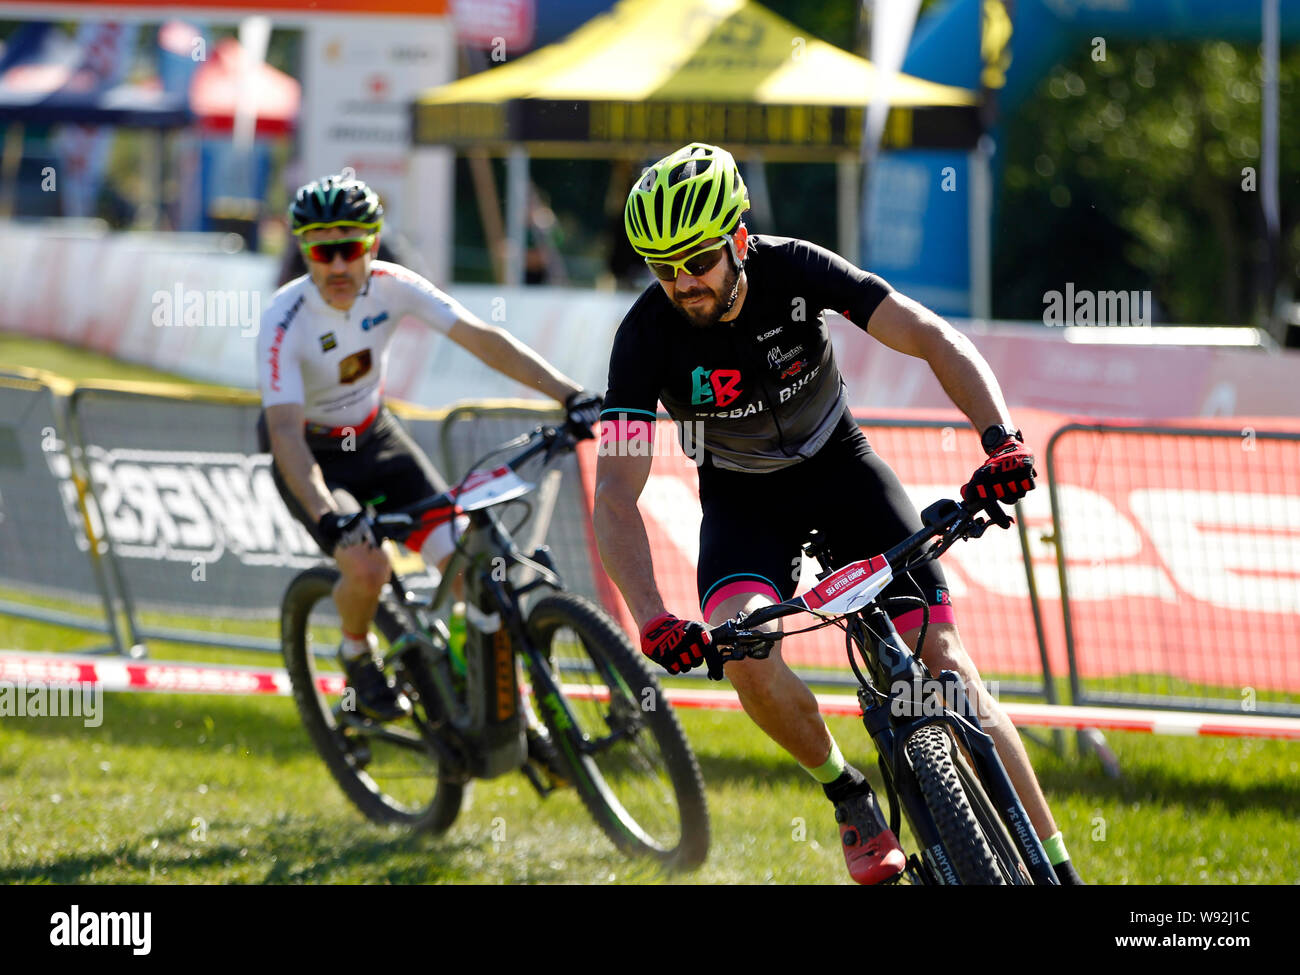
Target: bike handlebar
[554, 441]
[947, 520]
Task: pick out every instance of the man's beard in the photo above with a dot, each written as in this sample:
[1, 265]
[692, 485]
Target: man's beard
[707, 313]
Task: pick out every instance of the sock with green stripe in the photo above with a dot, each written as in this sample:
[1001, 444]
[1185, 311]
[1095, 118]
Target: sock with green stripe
[838, 777]
[1059, 857]
[829, 770]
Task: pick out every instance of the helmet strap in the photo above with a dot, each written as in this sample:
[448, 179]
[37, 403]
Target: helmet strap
[739, 265]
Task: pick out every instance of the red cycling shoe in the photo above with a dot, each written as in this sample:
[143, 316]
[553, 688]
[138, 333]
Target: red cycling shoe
[871, 850]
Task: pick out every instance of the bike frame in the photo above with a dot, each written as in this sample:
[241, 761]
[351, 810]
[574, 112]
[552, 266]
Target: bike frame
[902, 696]
[484, 733]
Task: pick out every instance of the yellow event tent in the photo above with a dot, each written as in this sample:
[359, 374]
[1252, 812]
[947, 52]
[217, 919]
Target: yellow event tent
[653, 74]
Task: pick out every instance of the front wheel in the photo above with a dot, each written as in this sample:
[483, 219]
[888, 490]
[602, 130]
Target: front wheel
[387, 770]
[969, 855]
[612, 726]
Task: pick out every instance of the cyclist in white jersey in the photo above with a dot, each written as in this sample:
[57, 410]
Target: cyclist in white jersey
[322, 354]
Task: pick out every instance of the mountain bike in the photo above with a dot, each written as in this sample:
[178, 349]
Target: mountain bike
[938, 764]
[529, 648]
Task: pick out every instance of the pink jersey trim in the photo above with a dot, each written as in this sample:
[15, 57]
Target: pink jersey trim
[736, 588]
[618, 430]
[913, 618]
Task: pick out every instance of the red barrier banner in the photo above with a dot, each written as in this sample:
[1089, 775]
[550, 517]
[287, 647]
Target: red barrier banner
[1183, 552]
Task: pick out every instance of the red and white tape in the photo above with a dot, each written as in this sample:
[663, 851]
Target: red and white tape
[180, 677]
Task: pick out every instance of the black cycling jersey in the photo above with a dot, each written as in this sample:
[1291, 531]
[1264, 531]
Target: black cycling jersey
[847, 492]
[764, 387]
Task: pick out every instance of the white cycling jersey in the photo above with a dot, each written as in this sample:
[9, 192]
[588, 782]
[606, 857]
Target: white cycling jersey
[332, 361]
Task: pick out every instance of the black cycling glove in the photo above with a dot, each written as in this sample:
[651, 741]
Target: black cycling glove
[339, 529]
[582, 411]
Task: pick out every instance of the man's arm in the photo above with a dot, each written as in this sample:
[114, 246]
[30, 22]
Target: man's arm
[909, 327]
[284, 425]
[620, 533]
[510, 357]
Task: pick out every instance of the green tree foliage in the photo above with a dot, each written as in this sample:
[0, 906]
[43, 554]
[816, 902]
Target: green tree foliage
[1133, 172]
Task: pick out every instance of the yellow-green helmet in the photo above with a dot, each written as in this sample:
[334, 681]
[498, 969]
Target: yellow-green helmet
[694, 194]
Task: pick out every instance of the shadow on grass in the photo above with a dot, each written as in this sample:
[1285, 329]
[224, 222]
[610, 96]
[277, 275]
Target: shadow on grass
[296, 853]
[151, 720]
[309, 852]
[1168, 787]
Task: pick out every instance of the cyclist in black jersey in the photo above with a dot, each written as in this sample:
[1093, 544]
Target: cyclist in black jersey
[732, 340]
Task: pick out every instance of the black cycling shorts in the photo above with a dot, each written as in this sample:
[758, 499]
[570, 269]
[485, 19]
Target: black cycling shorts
[387, 469]
[754, 524]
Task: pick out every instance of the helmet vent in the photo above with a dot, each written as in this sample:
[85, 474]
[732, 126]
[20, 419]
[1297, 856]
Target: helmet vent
[688, 170]
[701, 200]
[675, 218]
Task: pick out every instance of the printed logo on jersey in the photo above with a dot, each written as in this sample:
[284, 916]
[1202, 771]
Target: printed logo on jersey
[374, 322]
[327, 342]
[767, 335]
[720, 387]
[941, 598]
[354, 366]
[776, 358]
[795, 369]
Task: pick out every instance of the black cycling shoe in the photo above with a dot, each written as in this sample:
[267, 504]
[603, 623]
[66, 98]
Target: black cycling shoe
[375, 696]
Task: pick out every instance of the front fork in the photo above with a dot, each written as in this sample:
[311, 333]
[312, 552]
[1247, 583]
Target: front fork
[921, 700]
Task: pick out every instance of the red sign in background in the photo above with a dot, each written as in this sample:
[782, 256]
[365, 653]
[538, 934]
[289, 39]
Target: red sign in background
[1183, 552]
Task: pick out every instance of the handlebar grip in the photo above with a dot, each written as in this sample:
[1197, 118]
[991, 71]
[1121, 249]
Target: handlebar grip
[938, 513]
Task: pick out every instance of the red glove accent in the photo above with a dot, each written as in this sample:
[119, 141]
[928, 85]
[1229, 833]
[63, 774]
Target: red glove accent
[676, 645]
[1006, 476]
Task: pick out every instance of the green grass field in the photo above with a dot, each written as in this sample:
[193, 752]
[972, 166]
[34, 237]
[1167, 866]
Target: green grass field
[208, 789]
[195, 789]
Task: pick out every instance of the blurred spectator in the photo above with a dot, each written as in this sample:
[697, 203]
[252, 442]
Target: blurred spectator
[543, 263]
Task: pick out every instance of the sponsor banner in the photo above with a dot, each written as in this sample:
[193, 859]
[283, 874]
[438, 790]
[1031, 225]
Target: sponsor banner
[196, 522]
[283, 11]
[1183, 554]
[1175, 565]
[360, 75]
[493, 23]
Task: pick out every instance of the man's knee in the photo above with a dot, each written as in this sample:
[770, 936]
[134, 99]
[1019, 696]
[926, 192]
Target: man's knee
[943, 650]
[749, 676]
[363, 567]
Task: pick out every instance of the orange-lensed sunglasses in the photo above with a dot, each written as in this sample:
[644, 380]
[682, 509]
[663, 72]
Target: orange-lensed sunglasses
[349, 248]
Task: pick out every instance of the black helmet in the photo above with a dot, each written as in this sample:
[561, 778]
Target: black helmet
[335, 200]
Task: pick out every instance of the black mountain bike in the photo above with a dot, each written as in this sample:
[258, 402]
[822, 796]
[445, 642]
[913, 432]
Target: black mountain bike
[937, 762]
[609, 731]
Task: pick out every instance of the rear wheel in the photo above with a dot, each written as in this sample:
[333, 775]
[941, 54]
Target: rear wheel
[389, 771]
[930, 751]
[612, 726]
